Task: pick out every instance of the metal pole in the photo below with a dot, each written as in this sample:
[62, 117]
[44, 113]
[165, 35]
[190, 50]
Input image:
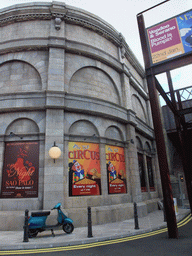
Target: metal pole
[181, 190]
[159, 135]
[153, 7]
[136, 216]
[26, 227]
[89, 222]
[163, 162]
[164, 213]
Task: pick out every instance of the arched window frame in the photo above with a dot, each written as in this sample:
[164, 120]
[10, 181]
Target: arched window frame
[149, 165]
[141, 165]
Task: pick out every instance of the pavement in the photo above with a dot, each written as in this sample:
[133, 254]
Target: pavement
[13, 240]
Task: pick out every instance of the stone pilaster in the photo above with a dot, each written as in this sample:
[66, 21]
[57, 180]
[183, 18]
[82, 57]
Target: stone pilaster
[56, 69]
[53, 172]
[104, 187]
[126, 89]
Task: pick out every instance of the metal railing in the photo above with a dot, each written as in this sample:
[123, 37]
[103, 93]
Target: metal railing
[184, 94]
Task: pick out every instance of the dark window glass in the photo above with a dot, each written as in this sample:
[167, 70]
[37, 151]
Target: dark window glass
[150, 174]
[142, 173]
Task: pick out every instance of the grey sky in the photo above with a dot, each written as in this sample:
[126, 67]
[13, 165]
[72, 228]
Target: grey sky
[122, 16]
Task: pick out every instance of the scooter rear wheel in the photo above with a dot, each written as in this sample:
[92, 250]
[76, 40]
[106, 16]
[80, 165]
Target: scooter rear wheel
[68, 228]
[32, 233]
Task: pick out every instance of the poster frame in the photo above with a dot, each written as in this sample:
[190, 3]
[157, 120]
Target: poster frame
[168, 60]
[117, 188]
[78, 187]
[19, 183]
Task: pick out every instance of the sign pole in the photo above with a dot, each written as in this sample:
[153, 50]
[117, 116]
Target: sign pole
[159, 135]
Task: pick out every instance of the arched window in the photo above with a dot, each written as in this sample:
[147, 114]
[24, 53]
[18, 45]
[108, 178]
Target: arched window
[150, 173]
[114, 133]
[19, 76]
[83, 128]
[138, 108]
[93, 82]
[149, 167]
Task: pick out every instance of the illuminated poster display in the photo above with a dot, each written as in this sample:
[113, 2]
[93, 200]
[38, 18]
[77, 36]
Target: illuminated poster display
[84, 169]
[184, 22]
[116, 172]
[171, 38]
[20, 170]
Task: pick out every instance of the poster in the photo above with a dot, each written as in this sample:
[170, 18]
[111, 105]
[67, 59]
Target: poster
[84, 169]
[116, 172]
[20, 170]
[184, 22]
[171, 38]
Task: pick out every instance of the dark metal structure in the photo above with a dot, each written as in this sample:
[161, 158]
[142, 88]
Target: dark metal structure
[176, 106]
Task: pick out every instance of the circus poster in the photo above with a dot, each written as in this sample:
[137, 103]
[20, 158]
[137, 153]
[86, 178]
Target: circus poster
[84, 169]
[116, 172]
[20, 170]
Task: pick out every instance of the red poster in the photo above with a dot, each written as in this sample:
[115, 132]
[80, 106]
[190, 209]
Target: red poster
[84, 169]
[116, 172]
[165, 41]
[171, 38]
[20, 170]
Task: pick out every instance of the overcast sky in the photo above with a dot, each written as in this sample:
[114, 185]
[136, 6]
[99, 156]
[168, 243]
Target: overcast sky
[121, 15]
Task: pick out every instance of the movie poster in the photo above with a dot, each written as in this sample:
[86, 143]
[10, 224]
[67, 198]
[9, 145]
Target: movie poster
[184, 22]
[84, 169]
[116, 172]
[165, 41]
[20, 170]
[171, 38]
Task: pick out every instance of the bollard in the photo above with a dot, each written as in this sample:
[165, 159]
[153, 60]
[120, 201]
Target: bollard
[89, 222]
[136, 216]
[26, 227]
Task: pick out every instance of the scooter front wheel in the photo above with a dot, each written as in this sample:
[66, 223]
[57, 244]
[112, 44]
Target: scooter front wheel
[68, 228]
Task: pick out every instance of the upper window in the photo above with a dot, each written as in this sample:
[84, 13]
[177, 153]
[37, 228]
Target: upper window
[95, 83]
[18, 76]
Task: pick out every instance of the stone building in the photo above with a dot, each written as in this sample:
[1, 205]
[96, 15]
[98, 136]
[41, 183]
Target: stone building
[69, 79]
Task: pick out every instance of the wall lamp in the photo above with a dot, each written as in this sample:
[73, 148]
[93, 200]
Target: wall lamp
[54, 152]
[12, 134]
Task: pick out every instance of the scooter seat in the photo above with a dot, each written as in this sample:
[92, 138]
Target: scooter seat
[40, 214]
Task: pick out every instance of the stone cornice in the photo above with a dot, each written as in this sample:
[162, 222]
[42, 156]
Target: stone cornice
[138, 88]
[19, 13]
[94, 25]
[71, 15]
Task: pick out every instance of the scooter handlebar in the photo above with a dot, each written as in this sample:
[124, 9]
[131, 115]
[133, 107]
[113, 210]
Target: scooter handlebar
[57, 206]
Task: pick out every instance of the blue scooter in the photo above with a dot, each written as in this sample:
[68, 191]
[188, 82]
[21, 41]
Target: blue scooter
[37, 222]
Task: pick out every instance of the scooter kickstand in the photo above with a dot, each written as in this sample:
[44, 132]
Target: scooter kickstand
[52, 233]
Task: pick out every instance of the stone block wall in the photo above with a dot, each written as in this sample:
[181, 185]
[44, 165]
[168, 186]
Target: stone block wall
[67, 76]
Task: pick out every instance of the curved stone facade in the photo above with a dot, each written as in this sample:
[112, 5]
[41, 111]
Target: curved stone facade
[69, 78]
